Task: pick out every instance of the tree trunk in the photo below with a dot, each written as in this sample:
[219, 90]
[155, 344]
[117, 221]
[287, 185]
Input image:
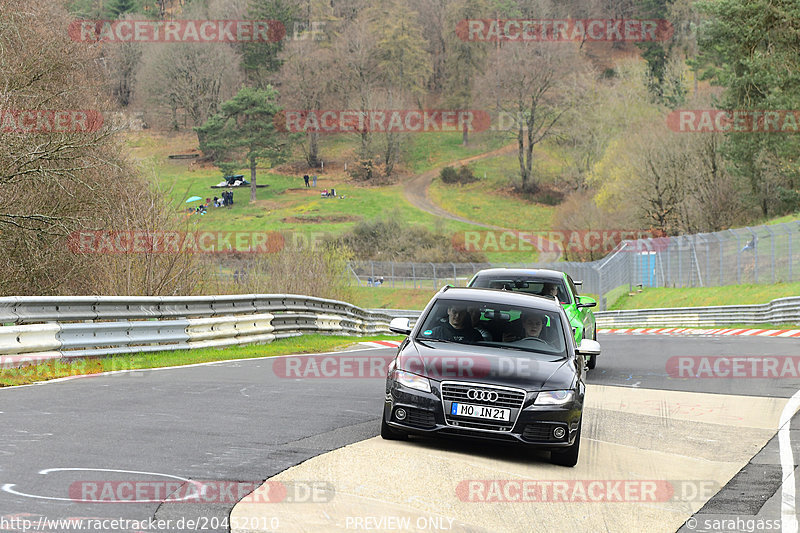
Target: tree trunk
[252, 179]
[533, 187]
[521, 156]
[313, 149]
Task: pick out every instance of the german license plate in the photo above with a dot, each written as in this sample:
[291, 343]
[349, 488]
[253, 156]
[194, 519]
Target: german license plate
[480, 411]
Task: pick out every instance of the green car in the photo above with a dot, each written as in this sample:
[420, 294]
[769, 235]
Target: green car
[550, 283]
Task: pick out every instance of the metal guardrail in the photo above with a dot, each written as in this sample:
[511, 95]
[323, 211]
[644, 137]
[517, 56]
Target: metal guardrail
[39, 328]
[780, 311]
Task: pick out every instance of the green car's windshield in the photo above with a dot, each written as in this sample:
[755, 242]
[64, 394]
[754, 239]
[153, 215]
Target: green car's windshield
[526, 284]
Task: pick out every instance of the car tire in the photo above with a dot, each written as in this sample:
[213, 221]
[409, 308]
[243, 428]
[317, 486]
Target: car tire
[568, 456]
[389, 433]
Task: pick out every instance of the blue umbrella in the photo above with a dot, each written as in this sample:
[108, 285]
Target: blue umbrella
[193, 199]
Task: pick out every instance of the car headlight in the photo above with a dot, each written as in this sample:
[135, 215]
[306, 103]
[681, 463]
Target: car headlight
[555, 397]
[412, 381]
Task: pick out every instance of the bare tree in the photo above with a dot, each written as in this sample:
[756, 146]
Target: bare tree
[189, 78]
[55, 183]
[530, 83]
[308, 78]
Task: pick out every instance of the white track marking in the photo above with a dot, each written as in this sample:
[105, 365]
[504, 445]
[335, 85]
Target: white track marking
[9, 487]
[788, 508]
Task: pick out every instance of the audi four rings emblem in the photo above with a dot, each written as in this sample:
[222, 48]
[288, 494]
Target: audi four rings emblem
[482, 395]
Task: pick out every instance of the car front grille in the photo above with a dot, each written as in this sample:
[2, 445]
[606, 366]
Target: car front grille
[508, 398]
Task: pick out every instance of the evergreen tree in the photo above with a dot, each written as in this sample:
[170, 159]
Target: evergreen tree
[244, 132]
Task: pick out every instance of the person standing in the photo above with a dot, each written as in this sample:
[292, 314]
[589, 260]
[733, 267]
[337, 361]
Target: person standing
[305, 178]
[315, 180]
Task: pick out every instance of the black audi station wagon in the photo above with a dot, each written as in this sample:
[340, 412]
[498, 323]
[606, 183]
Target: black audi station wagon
[489, 364]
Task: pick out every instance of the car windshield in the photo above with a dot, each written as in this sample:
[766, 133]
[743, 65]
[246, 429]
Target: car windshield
[528, 285]
[504, 326]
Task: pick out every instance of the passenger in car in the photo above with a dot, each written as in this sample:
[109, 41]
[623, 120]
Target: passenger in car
[458, 326]
[530, 324]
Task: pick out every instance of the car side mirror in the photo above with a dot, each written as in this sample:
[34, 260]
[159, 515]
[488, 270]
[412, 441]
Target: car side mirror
[585, 301]
[400, 325]
[588, 347]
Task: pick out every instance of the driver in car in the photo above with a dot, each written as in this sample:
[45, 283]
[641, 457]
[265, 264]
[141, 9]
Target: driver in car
[458, 327]
[529, 325]
[550, 289]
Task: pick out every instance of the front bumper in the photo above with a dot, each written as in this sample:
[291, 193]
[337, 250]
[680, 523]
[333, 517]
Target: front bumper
[530, 424]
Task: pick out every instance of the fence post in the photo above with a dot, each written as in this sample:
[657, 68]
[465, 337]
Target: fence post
[789, 235]
[772, 250]
[413, 276]
[738, 258]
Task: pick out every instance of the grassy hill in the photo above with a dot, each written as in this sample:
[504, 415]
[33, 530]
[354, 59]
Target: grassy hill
[286, 205]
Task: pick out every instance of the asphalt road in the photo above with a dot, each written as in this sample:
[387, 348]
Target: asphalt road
[240, 422]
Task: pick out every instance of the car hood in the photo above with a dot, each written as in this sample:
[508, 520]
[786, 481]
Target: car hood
[496, 366]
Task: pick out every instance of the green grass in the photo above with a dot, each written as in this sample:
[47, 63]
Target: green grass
[388, 298]
[705, 296]
[432, 150]
[59, 368]
[786, 218]
[285, 205]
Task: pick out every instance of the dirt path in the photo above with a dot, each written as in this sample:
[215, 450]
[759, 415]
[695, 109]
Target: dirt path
[416, 188]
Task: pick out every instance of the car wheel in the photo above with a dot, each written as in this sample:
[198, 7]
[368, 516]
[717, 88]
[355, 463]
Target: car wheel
[569, 456]
[389, 433]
